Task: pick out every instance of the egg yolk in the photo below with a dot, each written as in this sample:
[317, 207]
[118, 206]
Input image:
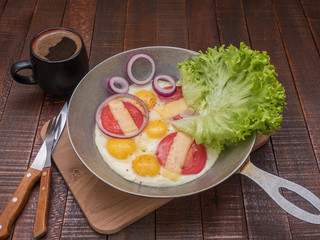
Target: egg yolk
[146, 165]
[147, 97]
[156, 129]
[121, 148]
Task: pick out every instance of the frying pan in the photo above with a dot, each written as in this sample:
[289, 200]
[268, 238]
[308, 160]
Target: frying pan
[92, 90]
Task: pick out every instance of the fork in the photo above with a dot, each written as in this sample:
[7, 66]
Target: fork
[50, 137]
[40, 222]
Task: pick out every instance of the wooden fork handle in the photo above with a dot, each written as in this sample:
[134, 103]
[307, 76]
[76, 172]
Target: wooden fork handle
[41, 219]
[17, 201]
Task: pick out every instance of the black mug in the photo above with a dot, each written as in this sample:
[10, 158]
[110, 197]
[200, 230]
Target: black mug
[58, 60]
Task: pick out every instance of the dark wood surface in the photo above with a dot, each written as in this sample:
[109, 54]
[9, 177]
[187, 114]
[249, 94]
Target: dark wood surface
[237, 208]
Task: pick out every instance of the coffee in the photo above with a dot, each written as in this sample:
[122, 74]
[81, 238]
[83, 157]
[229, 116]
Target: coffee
[56, 45]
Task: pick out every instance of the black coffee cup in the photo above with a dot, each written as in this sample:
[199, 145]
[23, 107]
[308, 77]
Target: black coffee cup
[58, 60]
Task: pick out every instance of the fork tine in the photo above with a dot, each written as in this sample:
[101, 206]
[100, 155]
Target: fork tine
[49, 127]
[58, 123]
[57, 128]
[53, 125]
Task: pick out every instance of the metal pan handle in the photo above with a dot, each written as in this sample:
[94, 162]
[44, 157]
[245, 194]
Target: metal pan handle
[272, 184]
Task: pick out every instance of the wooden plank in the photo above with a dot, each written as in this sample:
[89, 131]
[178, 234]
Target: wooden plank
[292, 147]
[108, 40]
[19, 119]
[108, 34]
[2, 6]
[222, 206]
[140, 24]
[265, 219]
[32, 96]
[52, 14]
[202, 25]
[264, 216]
[181, 217]
[312, 12]
[229, 200]
[305, 67]
[143, 229]
[232, 23]
[78, 15]
[223, 212]
[12, 39]
[258, 208]
[127, 231]
[16, 144]
[172, 23]
[139, 32]
[75, 225]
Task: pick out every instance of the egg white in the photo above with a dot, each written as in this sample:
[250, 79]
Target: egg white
[146, 145]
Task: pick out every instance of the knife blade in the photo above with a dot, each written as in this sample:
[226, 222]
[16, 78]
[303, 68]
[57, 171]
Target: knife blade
[41, 218]
[21, 194]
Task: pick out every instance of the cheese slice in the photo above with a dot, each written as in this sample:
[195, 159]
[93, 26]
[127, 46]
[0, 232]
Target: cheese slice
[172, 109]
[122, 115]
[177, 156]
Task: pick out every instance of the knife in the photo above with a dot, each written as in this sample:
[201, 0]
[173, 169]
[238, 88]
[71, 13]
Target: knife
[40, 222]
[20, 196]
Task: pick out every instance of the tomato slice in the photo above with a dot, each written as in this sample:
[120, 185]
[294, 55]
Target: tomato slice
[196, 158]
[164, 148]
[111, 124]
[135, 113]
[176, 96]
[108, 121]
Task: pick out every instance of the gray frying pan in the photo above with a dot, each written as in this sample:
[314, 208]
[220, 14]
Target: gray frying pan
[91, 91]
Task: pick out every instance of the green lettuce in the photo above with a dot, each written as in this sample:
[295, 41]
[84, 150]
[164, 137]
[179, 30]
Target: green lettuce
[235, 93]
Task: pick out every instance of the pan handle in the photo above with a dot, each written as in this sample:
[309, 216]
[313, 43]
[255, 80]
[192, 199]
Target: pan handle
[272, 184]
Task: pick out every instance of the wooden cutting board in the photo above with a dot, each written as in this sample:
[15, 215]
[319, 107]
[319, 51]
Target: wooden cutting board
[107, 210]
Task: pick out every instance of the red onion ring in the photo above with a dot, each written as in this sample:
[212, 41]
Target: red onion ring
[162, 91]
[130, 63]
[118, 85]
[105, 103]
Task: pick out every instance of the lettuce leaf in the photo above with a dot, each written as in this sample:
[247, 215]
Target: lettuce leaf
[235, 93]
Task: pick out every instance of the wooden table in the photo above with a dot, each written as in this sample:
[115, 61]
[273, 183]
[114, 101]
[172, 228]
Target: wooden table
[236, 209]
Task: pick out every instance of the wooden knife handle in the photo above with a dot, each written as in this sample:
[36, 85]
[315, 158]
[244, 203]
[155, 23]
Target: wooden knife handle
[40, 222]
[17, 201]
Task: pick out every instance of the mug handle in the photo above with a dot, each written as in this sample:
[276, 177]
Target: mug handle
[16, 67]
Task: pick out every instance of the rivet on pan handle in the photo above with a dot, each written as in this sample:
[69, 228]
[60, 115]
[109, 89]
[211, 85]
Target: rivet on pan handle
[271, 184]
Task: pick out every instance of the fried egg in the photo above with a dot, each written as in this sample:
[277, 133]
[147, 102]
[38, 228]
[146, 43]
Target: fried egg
[135, 159]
